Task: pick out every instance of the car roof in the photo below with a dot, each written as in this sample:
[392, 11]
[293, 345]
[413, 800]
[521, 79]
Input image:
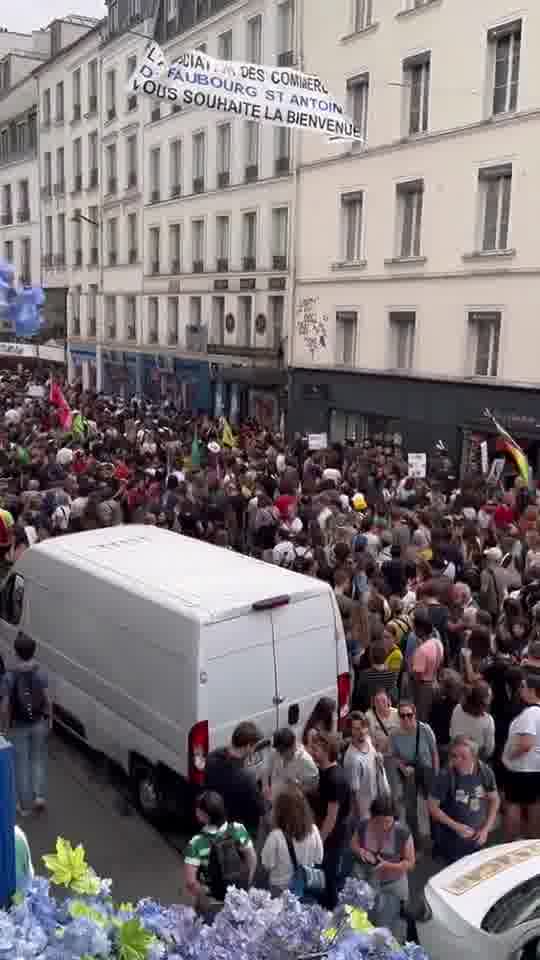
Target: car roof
[209, 583]
[474, 884]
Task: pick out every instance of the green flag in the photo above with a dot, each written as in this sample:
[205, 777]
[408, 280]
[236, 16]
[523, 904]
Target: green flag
[195, 452]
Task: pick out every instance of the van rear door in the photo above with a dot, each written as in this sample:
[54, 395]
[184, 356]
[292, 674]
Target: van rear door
[306, 657]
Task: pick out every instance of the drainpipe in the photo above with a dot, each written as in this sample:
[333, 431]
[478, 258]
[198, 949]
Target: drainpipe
[293, 228]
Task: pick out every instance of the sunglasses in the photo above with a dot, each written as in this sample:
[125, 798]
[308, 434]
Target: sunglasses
[406, 716]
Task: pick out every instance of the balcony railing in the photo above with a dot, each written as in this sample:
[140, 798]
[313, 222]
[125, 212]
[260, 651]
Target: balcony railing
[77, 183]
[23, 215]
[222, 264]
[132, 255]
[7, 218]
[176, 191]
[279, 262]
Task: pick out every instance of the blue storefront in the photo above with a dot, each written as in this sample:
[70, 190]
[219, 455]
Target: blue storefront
[157, 377]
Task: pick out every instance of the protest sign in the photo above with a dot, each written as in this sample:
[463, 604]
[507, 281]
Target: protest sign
[484, 456]
[495, 473]
[417, 465]
[277, 95]
[317, 441]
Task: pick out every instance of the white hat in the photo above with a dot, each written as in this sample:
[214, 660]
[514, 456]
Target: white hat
[64, 457]
[494, 553]
[214, 447]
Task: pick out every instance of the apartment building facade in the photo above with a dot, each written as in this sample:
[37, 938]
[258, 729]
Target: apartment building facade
[418, 274]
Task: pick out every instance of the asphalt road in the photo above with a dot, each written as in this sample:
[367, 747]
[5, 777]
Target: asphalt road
[85, 807]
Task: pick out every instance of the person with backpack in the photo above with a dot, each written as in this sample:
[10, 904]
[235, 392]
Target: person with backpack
[27, 718]
[220, 856]
[293, 845]
[463, 803]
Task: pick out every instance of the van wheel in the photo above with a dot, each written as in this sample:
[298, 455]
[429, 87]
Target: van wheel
[147, 791]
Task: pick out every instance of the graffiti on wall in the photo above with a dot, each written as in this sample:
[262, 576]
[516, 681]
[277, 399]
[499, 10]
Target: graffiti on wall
[312, 327]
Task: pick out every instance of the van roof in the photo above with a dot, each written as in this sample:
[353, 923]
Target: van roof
[206, 582]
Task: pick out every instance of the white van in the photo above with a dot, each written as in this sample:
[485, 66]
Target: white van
[158, 645]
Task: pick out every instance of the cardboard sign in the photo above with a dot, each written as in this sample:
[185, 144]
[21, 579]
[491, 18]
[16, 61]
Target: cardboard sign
[417, 465]
[484, 456]
[317, 441]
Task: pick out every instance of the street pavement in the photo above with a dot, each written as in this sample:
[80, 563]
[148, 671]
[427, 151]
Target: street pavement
[85, 807]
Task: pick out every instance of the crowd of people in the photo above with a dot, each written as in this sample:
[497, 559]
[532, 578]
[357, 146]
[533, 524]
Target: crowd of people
[439, 593]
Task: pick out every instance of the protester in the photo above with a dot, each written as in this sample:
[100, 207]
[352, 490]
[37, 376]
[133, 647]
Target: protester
[290, 763]
[361, 765]
[323, 719]
[521, 763]
[414, 750]
[226, 775]
[427, 660]
[332, 808]
[471, 719]
[221, 855]
[463, 803]
[27, 717]
[294, 840]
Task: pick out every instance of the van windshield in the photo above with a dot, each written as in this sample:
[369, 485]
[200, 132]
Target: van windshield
[520, 905]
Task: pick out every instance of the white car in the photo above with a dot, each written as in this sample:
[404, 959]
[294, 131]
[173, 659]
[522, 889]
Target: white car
[485, 907]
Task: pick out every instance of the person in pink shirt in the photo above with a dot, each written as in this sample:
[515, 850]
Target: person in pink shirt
[427, 660]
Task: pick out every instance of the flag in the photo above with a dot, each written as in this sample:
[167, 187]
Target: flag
[58, 400]
[79, 427]
[195, 452]
[512, 448]
[227, 438]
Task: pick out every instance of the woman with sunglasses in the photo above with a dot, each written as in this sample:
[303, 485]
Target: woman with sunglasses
[414, 749]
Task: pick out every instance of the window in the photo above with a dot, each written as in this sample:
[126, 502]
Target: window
[223, 154]
[59, 102]
[346, 324]
[93, 152]
[254, 39]
[486, 335]
[76, 94]
[4, 144]
[110, 318]
[111, 168]
[171, 9]
[284, 34]
[110, 94]
[48, 239]
[175, 161]
[26, 260]
[77, 242]
[283, 150]
[76, 311]
[155, 174]
[402, 327]
[93, 228]
[8, 251]
[352, 211]
[91, 306]
[24, 202]
[46, 108]
[172, 321]
[60, 169]
[112, 16]
[222, 243]
[245, 313]
[362, 14]
[276, 310]
[132, 161]
[174, 247]
[199, 161]
[132, 101]
[195, 312]
[61, 239]
[280, 221]
[131, 318]
[197, 245]
[77, 164]
[358, 90]
[133, 244]
[225, 46]
[92, 86]
[495, 192]
[506, 47]
[154, 249]
[249, 241]
[153, 320]
[218, 320]
[252, 150]
[5, 72]
[112, 241]
[47, 172]
[7, 209]
[410, 201]
[416, 78]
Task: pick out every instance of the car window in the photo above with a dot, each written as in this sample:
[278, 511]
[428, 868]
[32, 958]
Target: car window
[529, 950]
[13, 597]
[518, 906]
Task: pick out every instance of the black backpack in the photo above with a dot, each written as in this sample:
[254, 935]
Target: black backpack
[28, 700]
[226, 866]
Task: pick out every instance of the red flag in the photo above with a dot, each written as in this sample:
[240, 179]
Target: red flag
[59, 401]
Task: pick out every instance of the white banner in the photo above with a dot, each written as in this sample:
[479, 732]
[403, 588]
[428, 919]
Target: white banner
[417, 465]
[277, 95]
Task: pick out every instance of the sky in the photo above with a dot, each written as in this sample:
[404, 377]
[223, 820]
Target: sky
[26, 15]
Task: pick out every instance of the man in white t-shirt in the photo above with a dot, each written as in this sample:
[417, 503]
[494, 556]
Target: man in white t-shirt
[360, 766]
[521, 758]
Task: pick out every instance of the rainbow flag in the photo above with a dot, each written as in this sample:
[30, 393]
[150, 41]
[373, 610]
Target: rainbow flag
[513, 449]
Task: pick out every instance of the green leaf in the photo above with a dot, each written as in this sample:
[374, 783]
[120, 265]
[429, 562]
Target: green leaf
[133, 941]
[78, 908]
[68, 868]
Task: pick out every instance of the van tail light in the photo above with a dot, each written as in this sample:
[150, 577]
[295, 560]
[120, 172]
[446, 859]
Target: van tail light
[198, 752]
[344, 696]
